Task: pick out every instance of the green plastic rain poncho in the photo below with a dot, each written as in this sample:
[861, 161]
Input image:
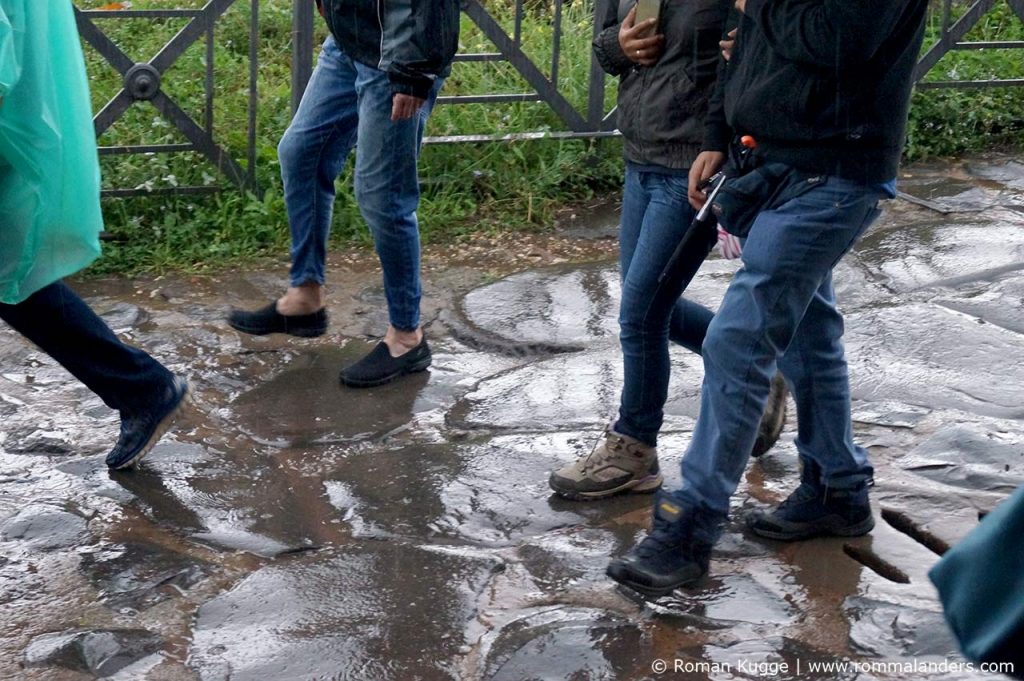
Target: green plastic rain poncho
[50, 216]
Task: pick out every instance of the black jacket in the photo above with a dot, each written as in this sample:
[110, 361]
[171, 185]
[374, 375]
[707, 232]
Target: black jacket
[414, 41]
[661, 108]
[822, 85]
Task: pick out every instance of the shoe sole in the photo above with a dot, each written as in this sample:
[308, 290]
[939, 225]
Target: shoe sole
[299, 333]
[642, 486]
[422, 365]
[770, 427]
[161, 430]
[857, 530]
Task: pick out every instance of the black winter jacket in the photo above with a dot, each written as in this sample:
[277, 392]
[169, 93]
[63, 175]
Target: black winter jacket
[823, 85]
[661, 108]
[414, 41]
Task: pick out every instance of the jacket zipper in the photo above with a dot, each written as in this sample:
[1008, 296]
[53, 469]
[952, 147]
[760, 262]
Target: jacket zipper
[380, 21]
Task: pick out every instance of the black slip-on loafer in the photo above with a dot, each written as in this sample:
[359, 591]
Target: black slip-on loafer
[379, 367]
[268, 320]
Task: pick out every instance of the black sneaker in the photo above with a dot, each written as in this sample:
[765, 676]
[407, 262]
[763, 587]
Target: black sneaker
[139, 432]
[379, 367]
[268, 320]
[675, 553]
[773, 419]
[814, 510]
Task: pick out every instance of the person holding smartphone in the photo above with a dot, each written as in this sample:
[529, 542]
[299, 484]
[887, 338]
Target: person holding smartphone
[666, 64]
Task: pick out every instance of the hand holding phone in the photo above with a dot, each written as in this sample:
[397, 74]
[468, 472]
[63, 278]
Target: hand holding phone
[637, 41]
[648, 9]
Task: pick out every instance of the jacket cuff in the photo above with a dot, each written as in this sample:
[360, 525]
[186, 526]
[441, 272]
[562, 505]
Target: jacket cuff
[419, 87]
[716, 138]
[609, 53]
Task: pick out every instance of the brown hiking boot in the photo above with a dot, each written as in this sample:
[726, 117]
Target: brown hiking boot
[618, 464]
[773, 419]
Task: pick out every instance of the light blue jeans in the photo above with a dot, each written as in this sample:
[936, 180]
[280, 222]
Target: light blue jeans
[346, 102]
[780, 312]
[655, 215]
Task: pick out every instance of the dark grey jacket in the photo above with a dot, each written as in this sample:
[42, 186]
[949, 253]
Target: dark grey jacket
[661, 108]
[414, 41]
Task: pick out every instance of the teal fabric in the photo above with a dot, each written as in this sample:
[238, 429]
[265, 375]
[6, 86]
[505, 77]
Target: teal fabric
[50, 216]
[981, 584]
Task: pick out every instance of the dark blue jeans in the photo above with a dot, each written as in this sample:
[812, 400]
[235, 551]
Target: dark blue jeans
[655, 215]
[65, 328]
[348, 102]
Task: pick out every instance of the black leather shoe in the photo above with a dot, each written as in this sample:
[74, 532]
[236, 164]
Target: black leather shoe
[268, 320]
[379, 367]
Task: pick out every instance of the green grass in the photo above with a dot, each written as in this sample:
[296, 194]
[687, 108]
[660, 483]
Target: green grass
[468, 188]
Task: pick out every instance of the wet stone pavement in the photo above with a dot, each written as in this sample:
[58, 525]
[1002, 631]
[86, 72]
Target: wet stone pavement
[290, 528]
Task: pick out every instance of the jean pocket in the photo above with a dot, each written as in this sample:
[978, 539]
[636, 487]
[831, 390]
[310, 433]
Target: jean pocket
[675, 187]
[742, 198]
[766, 187]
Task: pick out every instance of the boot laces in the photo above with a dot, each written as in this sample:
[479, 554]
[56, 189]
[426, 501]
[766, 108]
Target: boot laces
[613, 444]
[663, 537]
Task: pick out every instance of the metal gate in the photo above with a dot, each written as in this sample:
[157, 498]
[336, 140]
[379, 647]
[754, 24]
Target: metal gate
[951, 38]
[142, 84]
[143, 80]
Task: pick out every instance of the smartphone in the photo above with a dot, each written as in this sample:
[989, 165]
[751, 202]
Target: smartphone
[648, 9]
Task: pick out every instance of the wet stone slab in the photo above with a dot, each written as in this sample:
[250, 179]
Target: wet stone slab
[897, 353]
[135, 576]
[492, 493]
[971, 457]
[565, 643]
[576, 390]
[42, 527]
[100, 652]
[292, 529]
[384, 610]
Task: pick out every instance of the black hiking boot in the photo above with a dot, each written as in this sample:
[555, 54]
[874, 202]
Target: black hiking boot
[814, 510]
[675, 553]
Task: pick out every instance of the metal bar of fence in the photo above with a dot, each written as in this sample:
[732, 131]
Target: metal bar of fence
[480, 56]
[302, 48]
[990, 45]
[208, 85]
[969, 84]
[491, 99]
[556, 42]
[521, 137]
[254, 72]
[952, 36]
[190, 34]
[145, 149]
[143, 13]
[160, 191]
[595, 93]
[517, 39]
[524, 65]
